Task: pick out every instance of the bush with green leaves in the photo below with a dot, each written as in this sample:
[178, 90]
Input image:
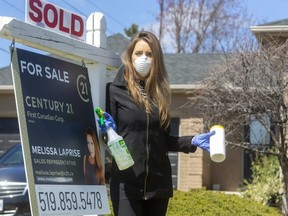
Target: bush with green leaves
[212, 203]
[202, 202]
[265, 184]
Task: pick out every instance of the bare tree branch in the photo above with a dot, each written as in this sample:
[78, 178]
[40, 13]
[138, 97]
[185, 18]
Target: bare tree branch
[250, 86]
[203, 25]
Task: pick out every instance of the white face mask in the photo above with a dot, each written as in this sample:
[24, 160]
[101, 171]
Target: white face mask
[142, 65]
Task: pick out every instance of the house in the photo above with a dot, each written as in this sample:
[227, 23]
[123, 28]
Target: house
[185, 71]
[273, 31]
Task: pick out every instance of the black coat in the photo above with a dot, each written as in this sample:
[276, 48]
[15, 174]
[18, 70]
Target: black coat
[150, 176]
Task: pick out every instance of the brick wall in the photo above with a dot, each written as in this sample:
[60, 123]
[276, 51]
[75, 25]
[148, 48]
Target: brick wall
[196, 170]
[8, 105]
[190, 167]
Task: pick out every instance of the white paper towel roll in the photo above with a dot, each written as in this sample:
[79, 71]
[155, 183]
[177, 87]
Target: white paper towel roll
[217, 144]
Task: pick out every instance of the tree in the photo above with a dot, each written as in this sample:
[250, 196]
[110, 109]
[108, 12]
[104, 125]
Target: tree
[250, 88]
[130, 32]
[160, 18]
[202, 25]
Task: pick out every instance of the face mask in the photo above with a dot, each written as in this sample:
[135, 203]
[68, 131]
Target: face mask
[142, 65]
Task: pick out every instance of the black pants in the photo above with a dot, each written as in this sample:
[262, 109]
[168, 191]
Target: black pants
[153, 207]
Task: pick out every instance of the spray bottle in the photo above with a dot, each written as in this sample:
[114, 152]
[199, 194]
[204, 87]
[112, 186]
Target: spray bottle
[116, 145]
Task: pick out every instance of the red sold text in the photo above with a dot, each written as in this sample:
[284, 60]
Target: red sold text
[49, 16]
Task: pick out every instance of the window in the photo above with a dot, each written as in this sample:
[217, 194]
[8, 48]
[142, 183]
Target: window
[173, 156]
[9, 126]
[9, 133]
[258, 134]
[174, 126]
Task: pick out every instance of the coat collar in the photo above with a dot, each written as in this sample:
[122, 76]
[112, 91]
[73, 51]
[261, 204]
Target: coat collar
[119, 79]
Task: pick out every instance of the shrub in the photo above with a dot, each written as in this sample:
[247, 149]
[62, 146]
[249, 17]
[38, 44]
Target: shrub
[265, 184]
[212, 203]
[202, 202]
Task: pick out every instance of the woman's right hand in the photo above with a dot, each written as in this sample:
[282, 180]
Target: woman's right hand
[108, 122]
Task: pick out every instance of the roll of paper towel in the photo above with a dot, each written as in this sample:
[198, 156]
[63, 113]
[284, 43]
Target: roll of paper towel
[217, 144]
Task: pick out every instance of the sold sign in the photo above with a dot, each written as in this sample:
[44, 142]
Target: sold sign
[49, 16]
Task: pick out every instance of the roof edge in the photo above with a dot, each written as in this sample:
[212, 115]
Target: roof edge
[174, 88]
[6, 89]
[277, 28]
[183, 88]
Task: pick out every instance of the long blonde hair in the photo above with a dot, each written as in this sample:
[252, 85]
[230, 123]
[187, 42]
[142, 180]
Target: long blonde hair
[98, 167]
[157, 85]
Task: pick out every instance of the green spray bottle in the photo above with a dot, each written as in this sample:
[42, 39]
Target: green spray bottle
[116, 145]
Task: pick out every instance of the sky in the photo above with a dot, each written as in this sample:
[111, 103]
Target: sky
[122, 14]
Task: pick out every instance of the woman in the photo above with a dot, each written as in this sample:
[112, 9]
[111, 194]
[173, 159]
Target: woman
[92, 164]
[139, 100]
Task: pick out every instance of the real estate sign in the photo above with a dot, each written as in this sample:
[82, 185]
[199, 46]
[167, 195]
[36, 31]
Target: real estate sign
[55, 111]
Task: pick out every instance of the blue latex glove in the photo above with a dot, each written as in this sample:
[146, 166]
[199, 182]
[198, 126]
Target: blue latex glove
[108, 122]
[203, 140]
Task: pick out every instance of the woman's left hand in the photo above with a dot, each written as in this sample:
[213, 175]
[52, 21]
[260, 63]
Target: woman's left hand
[203, 140]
